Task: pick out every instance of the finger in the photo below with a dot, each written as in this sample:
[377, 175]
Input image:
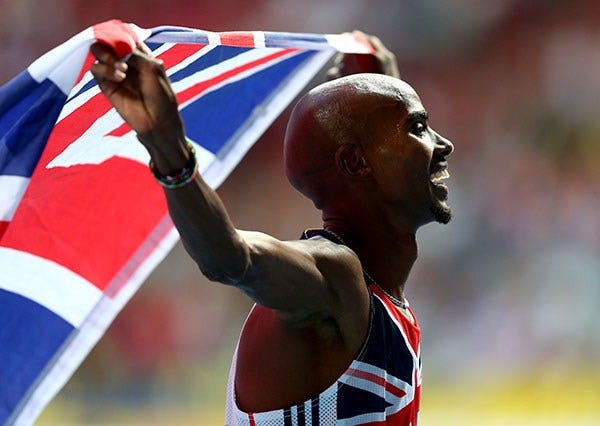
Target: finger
[374, 41]
[159, 63]
[105, 55]
[147, 63]
[387, 60]
[377, 44]
[359, 34]
[104, 72]
[106, 86]
[333, 73]
[144, 48]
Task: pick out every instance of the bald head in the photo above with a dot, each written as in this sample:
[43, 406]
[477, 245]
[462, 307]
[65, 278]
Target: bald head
[334, 114]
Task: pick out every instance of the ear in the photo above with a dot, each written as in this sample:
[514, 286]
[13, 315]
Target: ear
[350, 160]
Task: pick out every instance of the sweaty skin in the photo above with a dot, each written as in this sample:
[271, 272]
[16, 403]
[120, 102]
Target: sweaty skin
[334, 114]
[361, 149]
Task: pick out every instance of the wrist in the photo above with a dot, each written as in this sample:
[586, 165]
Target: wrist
[159, 140]
[163, 132]
[175, 177]
[168, 150]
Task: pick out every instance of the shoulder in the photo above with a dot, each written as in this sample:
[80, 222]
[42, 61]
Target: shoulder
[324, 252]
[315, 265]
[333, 258]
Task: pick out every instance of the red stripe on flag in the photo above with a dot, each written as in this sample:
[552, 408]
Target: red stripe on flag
[237, 38]
[89, 60]
[3, 226]
[178, 53]
[124, 276]
[200, 87]
[377, 380]
[123, 129]
[70, 128]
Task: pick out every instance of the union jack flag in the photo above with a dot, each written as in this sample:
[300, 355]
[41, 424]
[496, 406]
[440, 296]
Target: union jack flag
[82, 223]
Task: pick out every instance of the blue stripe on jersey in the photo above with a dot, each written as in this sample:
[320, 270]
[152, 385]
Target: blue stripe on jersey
[354, 402]
[31, 335]
[287, 417]
[213, 120]
[398, 363]
[28, 110]
[301, 415]
[314, 415]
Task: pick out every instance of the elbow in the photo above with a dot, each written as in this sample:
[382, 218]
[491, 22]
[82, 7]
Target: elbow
[232, 272]
[222, 276]
[227, 264]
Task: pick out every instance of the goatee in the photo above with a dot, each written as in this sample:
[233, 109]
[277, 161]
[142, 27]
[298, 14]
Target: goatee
[441, 213]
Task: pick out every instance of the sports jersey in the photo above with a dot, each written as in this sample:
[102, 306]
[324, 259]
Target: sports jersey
[381, 386]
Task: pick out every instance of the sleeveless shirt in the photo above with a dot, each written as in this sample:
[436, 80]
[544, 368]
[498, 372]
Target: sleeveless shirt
[381, 386]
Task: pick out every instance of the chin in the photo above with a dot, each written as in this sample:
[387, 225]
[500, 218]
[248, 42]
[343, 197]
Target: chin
[441, 213]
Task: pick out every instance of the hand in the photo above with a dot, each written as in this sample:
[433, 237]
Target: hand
[381, 61]
[140, 91]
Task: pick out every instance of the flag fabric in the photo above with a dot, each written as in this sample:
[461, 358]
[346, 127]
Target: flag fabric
[82, 223]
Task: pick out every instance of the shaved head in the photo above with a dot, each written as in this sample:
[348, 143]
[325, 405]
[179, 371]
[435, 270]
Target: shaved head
[331, 115]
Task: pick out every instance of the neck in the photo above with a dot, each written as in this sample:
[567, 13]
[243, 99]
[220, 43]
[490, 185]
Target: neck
[387, 254]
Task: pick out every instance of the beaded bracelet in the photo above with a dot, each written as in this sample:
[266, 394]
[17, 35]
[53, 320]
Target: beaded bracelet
[184, 176]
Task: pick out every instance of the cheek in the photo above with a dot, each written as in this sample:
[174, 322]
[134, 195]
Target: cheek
[404, 162]
[420, 155]
[415, 175]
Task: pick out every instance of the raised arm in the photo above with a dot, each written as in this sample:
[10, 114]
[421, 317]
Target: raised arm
[302, 279]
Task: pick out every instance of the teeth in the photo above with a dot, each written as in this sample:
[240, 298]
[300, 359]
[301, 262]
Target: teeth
[441, 175]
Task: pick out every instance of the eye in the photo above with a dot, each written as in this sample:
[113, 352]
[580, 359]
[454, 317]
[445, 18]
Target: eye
[419, 128]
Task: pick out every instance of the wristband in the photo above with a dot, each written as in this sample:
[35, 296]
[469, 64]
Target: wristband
[182, 177]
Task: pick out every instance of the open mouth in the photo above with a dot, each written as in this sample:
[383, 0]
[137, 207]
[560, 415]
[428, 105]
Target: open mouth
[437, 180]
[439, 176]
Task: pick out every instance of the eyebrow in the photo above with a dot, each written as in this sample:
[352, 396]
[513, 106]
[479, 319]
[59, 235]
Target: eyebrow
[417, 115]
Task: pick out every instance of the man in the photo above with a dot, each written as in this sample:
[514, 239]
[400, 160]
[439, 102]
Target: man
[331, 338]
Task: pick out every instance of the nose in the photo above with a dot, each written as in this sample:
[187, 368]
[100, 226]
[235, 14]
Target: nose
[442, 145]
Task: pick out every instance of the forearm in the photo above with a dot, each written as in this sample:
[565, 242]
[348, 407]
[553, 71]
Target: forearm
[200, 217]
[207, 232]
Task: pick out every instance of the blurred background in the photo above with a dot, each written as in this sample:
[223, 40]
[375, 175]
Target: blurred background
[508, 294]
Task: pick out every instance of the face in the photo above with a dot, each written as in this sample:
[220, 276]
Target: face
[408, 159]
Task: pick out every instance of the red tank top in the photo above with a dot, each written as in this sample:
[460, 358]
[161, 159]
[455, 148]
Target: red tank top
[381, 386]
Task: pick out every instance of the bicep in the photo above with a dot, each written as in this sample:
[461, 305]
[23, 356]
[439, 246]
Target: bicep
[302, 279]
